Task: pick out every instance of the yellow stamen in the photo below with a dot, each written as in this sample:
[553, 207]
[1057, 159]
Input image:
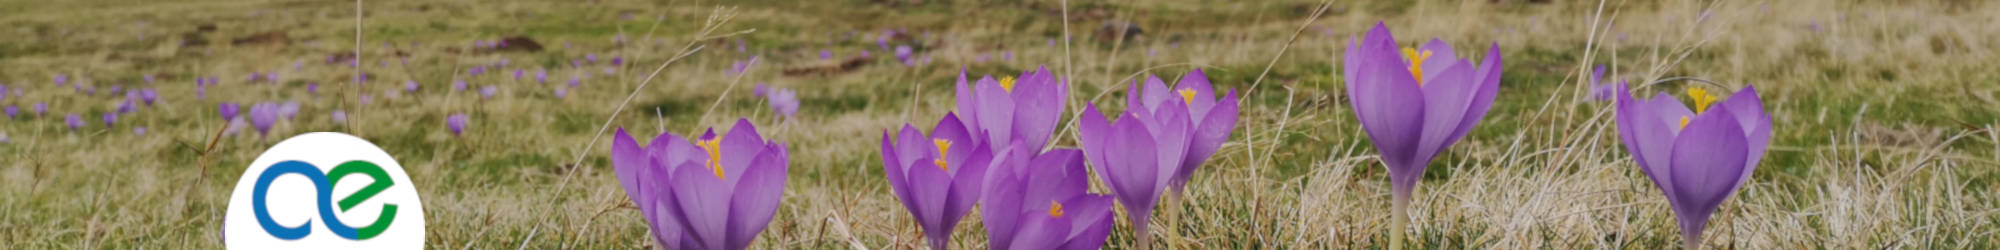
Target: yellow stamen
[714, 148]
[1684, 122]
[1055, 209]
[1702, 99]
[943, 147]
[1007, 83]
[1417, 62]
[1187, 95]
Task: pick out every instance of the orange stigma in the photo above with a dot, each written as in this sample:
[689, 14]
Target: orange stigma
[714, 148]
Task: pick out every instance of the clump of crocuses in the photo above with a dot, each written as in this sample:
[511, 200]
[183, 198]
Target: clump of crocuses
[1042, 201]
[1697, 157]
[717, 192]
[1415, 103]
[1155, 146]
[1028, 107]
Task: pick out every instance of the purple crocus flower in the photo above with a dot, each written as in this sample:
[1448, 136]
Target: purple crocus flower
[149, 95]
[228, 110]
[825, 54]
[1414, 109]
[542, 76]
[74, 121]
[1211, 120]
[263, 115]
[139, 131]
[126, 107]
[488, 91]
[937, 177]
[561, 92]
[717, 192]
[784, 101]
[41, 108]
[110, 119]
[1043, 202]
[518, 73]
[290, 110]
[476, 70]
[457, 124]
[1028, 107]
[1698, 158]
[903, 53]
[575, 81]
[591, 57]
[339, 116]
[1601, 91]
[618, 61]
[458, 85]
[271, 76]
[1157, 144]
[13, 111]
[410, 86]
[62, 79]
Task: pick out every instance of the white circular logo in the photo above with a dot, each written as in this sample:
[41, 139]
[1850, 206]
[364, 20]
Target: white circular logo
[324, 191]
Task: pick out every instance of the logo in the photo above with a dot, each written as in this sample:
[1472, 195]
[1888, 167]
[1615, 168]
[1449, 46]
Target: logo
[324, 191]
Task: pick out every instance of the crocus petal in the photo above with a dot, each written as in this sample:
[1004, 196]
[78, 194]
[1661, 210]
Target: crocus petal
[756, 198]
[963, 145]
[1707, 161]
[1488, 80]
[1204, 93]
[742, 145]
[912, 145]
[1210, 134]
[931, 188]
[629, 162]
[1155, 93]
[1093, 128]
[996, 108]
[1749, 110]
[1135, 171]
[999, 211]
[1090, 221]
[1649, 141]
[1041, 232]
[1387, 101]
[1441, 57]
[1445, 100]
[706, 209]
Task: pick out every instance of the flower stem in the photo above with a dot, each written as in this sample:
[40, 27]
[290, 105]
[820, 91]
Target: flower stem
[1691, 240]
[1399, 219]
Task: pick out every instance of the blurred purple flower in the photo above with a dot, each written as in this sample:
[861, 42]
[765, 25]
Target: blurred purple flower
[618, 61]
[41, 108]
[457, 124]
[458, 85]
[561, 92]
[110, 119]
[488, 91]
[410, 86]
[825, 54]
[542, 76]
[126, 106]
[228, 110]
[1697, 158]
[290, 110]
[367, 99]
[74, 121]
[592, 57]
[13, 111]
[476, 70]
[717, 192]
[149, 95]
[1602, 91]
[339, 116]
[575, 81]
[784, 101]
[903, 53]
[263, 115]
[62, 79]
[139, 131]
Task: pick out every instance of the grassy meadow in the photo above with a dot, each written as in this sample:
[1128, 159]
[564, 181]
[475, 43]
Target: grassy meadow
[1886, 113]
